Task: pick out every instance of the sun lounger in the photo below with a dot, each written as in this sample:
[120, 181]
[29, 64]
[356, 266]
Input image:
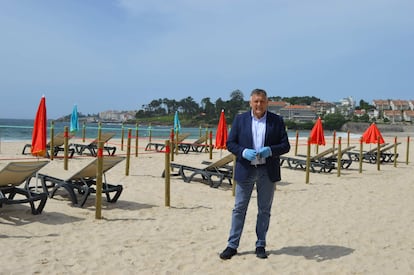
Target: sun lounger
[15, 174]
[369, 156]
[333, 157]
[58, 143]
[197, 146]
[84, 182]
[317, 163]
[387, 155]
[161, 146]
[219, 169]
[92, 146]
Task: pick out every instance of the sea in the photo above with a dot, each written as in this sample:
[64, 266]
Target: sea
[21, 130]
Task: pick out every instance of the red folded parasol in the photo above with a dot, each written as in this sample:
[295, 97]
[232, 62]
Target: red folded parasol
[39, 134]
[371, 135]
[221, 133]
[316, 135]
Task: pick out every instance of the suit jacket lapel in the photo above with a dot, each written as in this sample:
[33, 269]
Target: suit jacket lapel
[249, 135]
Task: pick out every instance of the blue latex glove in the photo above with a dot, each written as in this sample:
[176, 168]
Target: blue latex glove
[249, 154]
[265, 152]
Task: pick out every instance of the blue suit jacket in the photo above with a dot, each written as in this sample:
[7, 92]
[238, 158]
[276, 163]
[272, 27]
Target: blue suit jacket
[240, 138]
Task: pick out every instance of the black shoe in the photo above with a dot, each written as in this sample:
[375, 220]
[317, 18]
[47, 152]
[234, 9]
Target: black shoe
[261, 252]
[228, 253]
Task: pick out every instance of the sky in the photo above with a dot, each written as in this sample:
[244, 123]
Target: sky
[121, 54]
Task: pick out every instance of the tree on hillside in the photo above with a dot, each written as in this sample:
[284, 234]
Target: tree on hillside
[156, 107]
[235, 104]
[301, 100]
[334, 121]
[171, 105]
[365, 105]
[220, 105]
[207, 107]
[275, 98]
[189, 106]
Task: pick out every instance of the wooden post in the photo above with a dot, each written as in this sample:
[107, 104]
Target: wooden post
[407, 155]
[167, 173]
[395, 152]
[339, 157]
[52, 140]
[334, 140]
[122, 136]
[99, 176]
[150, 133]
[128, 153]
[378, 154]
[99, 131]
[296, 144]
[172, 144]
[136, 139]
[308, 160]
[211, 145]
[65, 148]
[348, 138]
[207, 140]
[360, 155]
[84, 131]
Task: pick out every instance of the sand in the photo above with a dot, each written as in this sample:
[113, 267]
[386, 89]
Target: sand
[355, 223]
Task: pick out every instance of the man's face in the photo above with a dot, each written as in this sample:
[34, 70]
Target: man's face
[258, 103]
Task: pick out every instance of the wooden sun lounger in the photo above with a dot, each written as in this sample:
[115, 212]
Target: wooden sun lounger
[219, 169]
[16, 173]
[387, 155]
[92, 146]
[161, 146]
[317, 163]
[369, 156]
[345, 162]
[84, 182]
[58, 142]
[197, 146]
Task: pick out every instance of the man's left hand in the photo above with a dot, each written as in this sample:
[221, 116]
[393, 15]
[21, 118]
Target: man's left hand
[265, 152]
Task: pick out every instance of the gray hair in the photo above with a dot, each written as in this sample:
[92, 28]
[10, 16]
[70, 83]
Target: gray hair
[259, 92]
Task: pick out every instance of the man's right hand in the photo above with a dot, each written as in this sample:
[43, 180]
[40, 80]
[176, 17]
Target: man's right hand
[249, 154]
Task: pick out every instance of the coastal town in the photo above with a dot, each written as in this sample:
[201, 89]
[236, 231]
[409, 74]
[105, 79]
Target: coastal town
[385, 110]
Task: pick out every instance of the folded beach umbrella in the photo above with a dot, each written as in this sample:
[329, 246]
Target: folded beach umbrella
[74, 122]
[39, 134]
[317, 135]
[177, 125]
[371, 134]
[221, 132]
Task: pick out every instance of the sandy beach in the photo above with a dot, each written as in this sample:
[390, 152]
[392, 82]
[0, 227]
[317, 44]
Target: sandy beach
[355, 223]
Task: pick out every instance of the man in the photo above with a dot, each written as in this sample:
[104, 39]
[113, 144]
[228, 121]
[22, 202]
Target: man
[257, 138]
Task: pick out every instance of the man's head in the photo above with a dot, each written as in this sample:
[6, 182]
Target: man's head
[258, 102]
